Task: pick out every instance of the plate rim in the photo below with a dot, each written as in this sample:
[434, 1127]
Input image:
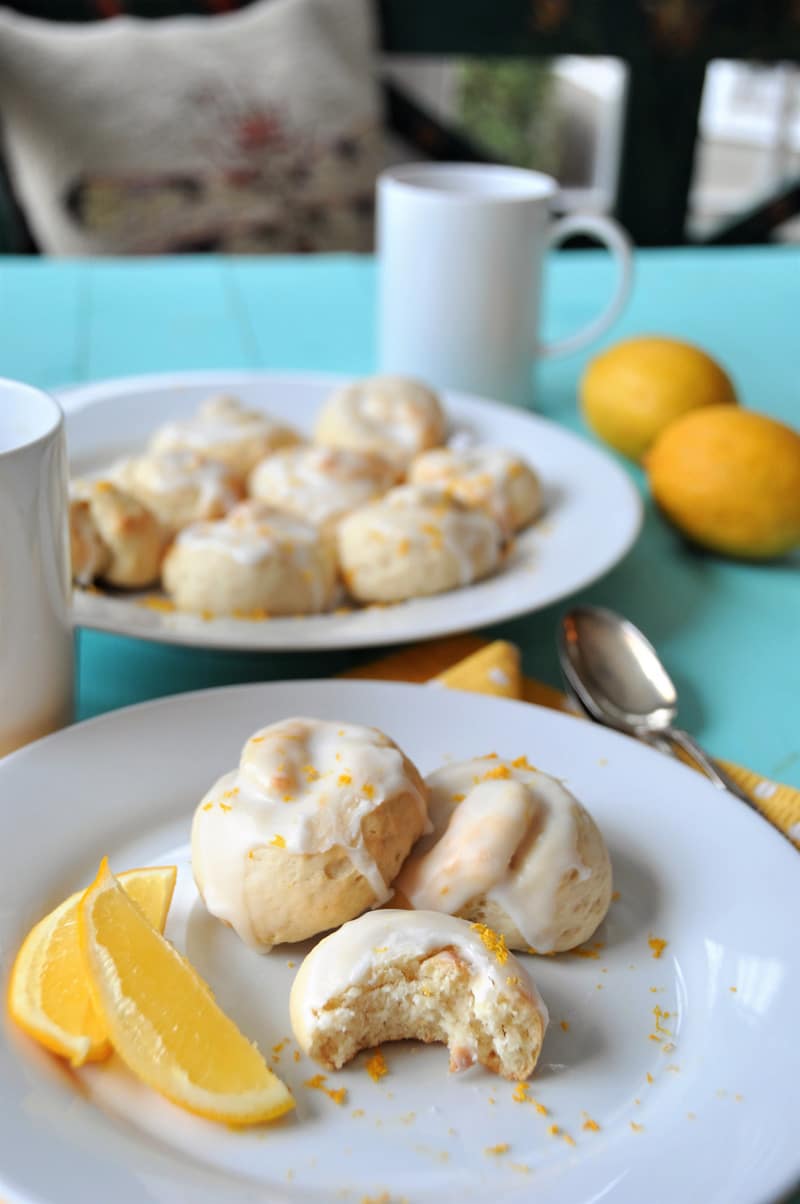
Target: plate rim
[76, 399]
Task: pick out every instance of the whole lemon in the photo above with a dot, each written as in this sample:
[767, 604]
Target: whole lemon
[730, 480]
[632, 391]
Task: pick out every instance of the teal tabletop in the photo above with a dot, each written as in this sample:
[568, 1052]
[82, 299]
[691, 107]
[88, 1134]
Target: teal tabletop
[729, 632]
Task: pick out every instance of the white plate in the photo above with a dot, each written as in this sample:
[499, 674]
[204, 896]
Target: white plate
[594, 513]
[718, 1121]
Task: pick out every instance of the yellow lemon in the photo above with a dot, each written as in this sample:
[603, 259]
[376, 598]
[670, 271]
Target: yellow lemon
[632, 391]
[730, 480]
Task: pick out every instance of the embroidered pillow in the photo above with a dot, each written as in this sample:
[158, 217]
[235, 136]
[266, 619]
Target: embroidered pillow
[254, 131]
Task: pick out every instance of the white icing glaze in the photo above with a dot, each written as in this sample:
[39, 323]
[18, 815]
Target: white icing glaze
[252, 532]
[394, 415]
[221, 422]
[482, 812]
[477, 476]
[307, 783]
[357, 950]
[321, 483]
[179, 472]
[417, 515]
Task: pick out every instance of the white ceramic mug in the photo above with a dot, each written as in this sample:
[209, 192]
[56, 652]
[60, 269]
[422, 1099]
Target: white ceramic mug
[36, 652]
[461, 250]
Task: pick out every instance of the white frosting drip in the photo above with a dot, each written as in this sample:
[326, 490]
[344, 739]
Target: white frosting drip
[321, 483]
[356, 952]
[177, 472]
[478, 476]
[414, 514]
[395, 415]
[252, 533]
[305, 785]
[484, 812]
[220, 422]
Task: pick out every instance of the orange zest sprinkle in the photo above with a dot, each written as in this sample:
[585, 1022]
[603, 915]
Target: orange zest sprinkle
[591, 1126]
[257, 739]
[521, 763]
[311, 773]
[225, 807]
[501, 1148]
[657, 946]
[512, 980]
[540, 1108]
[457, 798]
[564, 1024]
[636, 1128]
[296, 1055]
[733, 989]
[615, 897]
[154, 602]
[317, 1083]
[520, 1094]
[521, 1167]
[344, 779]
[498, 773]
[403, 547]
[650, 1078]
[231, 793]
[288, 798]
[207, 806]
[357, 1112]
[368, 790]
[554, 1131]
[207, 615]
[569, 1140]
[495, 942]
[278, 842]
[376, 1067]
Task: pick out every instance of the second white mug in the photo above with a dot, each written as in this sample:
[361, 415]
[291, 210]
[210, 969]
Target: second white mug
[461, 250]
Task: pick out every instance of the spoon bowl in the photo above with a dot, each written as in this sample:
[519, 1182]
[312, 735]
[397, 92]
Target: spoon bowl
[617, 676]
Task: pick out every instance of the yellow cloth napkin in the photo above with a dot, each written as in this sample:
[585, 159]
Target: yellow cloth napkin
[466, 662]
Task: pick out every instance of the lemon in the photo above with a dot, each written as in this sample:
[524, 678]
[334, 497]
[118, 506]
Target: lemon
[729, 479]
[161, 1017]
[632, 391]
[49, 993]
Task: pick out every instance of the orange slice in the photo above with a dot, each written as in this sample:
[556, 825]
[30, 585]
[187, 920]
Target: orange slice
[162, 1019]
[49, 994]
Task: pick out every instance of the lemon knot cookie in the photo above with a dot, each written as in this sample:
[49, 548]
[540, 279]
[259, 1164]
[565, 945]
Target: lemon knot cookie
[415, 540]
[391, 975]
[180, 487]
[308, 832]
[113, 536]
[223, 429]
[511, 848]
[395, 416]
[492, 478]
[255, 561]
[321, 484]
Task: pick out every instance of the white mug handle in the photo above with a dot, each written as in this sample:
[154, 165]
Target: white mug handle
[612, 235]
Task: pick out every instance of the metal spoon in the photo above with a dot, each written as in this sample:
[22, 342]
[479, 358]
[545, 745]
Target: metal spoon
[618, 678]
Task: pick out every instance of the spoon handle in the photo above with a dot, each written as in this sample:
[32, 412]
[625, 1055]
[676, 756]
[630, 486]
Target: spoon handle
[713, 770]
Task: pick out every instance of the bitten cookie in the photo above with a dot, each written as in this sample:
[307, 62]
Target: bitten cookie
[415, 541]
[223, 429]
[113, 536]
[308, 832]
[513, 849]
[320, 484]
[496, 480]
[391, 975]
[180, 487]
[255, 559]
[395, 416]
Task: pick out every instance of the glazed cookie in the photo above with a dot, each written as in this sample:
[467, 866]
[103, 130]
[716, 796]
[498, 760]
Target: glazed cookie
[489, 477]
[511, 848]
[415, 541]
[113, 536]
[391, 975]
[308, 832]
[392, 415]
[180, 487]
[320, 484]
[255, 559]
[222, 429]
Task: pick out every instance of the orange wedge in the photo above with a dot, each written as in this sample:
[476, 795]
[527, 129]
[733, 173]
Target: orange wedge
[49, 995]
[162, 1019]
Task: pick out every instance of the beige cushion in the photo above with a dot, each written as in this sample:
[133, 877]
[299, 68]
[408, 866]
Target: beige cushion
[254, 131]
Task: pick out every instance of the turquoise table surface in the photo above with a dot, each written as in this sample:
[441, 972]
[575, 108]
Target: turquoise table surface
[729, 632]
